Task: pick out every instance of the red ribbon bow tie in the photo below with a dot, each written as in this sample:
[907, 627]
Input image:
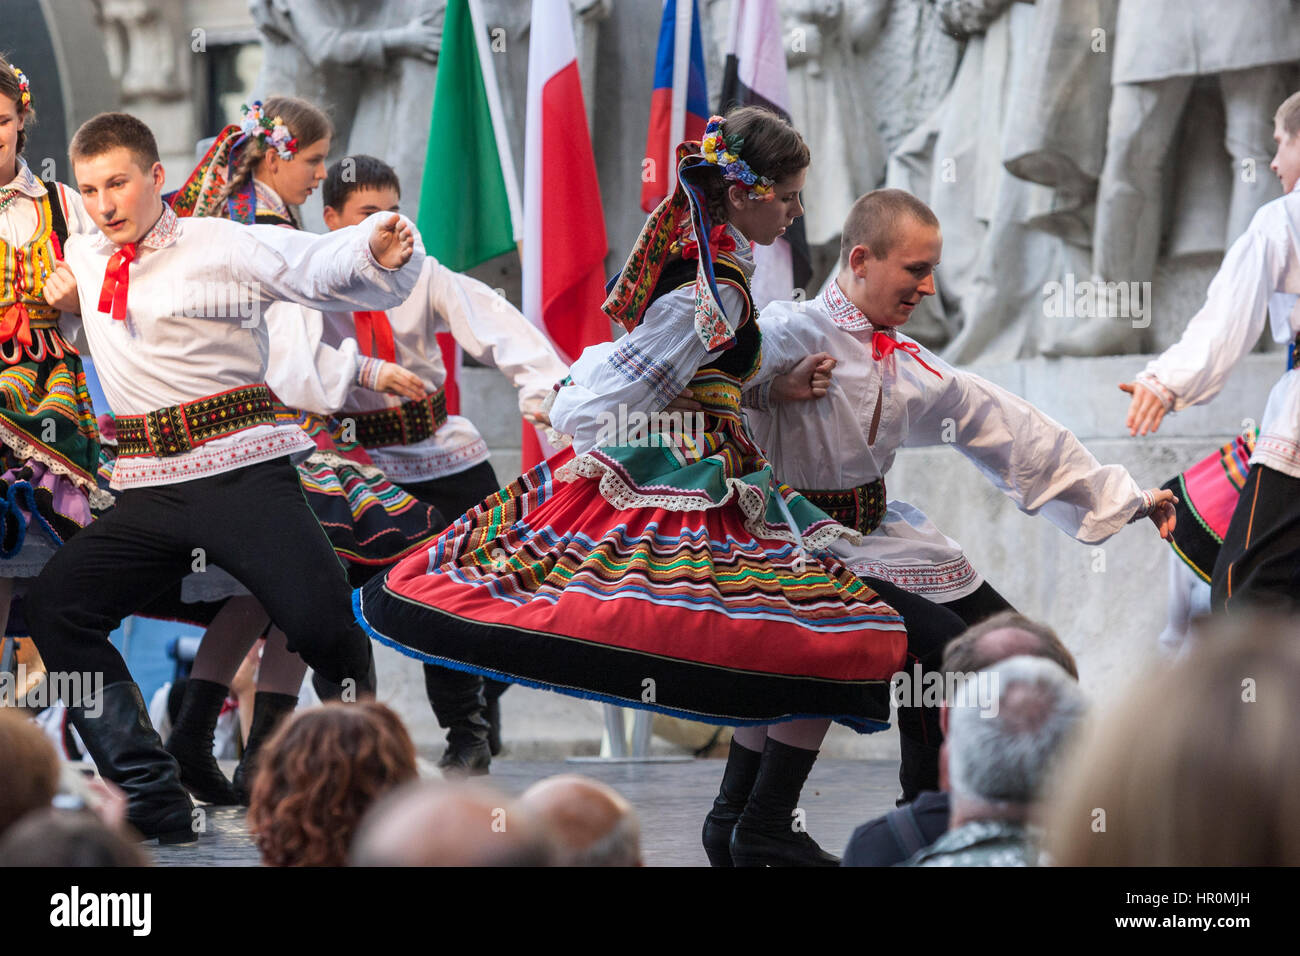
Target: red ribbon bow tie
[882, 345]
[112, 294]
[375, 335]
[719, 241]
[16, 324]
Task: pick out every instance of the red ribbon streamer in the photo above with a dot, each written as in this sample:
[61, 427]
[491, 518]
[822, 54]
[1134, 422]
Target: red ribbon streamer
[375, 326]
[15, 324]
[882, 345]
[112, 294]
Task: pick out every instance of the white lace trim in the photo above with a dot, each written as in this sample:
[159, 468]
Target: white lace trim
[97, 496]
[333, 460]
[749, 499]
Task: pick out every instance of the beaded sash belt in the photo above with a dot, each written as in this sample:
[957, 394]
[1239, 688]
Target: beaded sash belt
[406, 424]
[181, 428]
[861, 508]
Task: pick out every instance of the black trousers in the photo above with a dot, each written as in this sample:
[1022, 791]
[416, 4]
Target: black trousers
[254, 522]
[930, 626]
[454, 495]
[1259, 563]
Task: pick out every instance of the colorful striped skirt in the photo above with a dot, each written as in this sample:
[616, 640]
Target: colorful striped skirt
[641, 578]
[1207, 495]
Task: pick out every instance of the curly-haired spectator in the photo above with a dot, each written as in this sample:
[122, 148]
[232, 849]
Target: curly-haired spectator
[1197, 765]
[319, 774]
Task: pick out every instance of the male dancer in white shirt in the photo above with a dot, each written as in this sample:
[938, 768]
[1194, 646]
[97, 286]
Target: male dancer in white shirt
[438, 458]
[1258, 283]
[886, 392]
[171, 311]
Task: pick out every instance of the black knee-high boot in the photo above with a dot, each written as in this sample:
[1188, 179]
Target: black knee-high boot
[269, 711]
[191, 739]
[769, 833]
[114, 725]
[458, 703]
[737, 781]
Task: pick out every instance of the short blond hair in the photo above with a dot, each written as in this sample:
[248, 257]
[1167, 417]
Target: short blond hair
[1288, 114]
[876, 219]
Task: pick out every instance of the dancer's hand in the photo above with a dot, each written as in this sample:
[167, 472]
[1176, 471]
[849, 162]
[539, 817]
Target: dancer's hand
[684, 402]
[393, 242]
[1145, 412]
[398, 381]
[60, 289]
[1162, 513]
[810, 379]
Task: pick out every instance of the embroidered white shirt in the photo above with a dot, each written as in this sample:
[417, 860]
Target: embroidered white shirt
[195, 325]
[645, 369]
[486, 326]
[823, 444]
[19, 219]
[1258, 283]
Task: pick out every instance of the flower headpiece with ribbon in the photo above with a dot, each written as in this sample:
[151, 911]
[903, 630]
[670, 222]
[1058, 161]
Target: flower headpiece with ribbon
[24, 88]
[724, 151]
[273, 132]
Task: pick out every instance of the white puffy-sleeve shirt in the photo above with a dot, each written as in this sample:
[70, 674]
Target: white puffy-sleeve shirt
[1258, 283]
[823, 444]
[487, 327]
[195, 323]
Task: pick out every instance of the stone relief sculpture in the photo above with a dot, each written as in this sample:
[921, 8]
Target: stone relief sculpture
[1161, 47]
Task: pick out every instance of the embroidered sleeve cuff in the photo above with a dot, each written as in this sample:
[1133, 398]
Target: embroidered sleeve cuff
[1152, 383]
[635, 365]
[1148, 502]
[368, 369]
[759, 397]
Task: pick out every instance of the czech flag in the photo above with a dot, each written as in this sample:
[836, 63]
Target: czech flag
[679, 105]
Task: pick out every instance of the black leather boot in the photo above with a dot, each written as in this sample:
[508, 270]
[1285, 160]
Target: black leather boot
[919, 769]
[269, 710]
[458, 703]
[117, 733]
[737, 781]
[191, 739]
[768, 832]
[492, 691]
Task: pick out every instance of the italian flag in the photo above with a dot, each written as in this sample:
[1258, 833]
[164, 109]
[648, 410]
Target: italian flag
[469, 197]
[564, 225]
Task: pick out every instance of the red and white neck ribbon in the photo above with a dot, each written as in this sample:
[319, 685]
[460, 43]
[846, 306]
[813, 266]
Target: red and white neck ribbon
[882, 345]
[112, 294]
[375, 335]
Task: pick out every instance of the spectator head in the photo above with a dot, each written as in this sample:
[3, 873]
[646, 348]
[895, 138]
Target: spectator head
[999, 756]
[30, 766]
[435, 823]
[66, 838]
[591, 823]
[319, 774]
[1197, 765]
[1004, 635]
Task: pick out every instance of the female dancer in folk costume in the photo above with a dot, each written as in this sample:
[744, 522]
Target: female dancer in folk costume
[669, 569]
[49, 442]
[255, 173]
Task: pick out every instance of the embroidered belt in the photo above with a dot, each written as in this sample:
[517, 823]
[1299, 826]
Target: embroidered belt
[181, 428]
[861, 508]
[406, 424]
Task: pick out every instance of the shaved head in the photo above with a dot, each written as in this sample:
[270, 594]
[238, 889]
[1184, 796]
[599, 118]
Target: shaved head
[876, 218]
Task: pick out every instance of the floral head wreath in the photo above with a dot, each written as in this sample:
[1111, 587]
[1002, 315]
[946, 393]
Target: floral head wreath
[724, 151]
[273, 132]
[24, 88]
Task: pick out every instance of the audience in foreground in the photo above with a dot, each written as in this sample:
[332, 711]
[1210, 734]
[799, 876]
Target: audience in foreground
[1006, 727]
[319, 774]
[591, 823]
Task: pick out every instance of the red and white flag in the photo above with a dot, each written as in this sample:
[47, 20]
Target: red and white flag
[564, 242]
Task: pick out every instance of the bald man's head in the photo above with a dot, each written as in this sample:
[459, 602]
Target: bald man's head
[433, 823]
[591, 822]
[1004, 635]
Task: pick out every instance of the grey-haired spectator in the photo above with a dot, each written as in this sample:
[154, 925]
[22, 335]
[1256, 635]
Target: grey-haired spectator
[1004, 737]
[66, 838]
[890, 839]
